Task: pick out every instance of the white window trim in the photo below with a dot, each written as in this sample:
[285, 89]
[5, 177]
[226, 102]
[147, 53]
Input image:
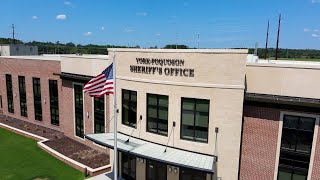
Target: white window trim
[74, 112]
[314, 141]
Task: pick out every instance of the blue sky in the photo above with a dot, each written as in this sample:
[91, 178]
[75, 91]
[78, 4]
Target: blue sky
[219, 24]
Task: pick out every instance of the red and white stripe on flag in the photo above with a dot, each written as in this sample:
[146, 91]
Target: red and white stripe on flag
[101, 84]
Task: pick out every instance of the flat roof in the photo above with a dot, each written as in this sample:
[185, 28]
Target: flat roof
[156, 152]
[286, 64]
[210, 51]
[43, 58]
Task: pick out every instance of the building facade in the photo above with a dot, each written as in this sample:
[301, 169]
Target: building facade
[18, 50]
[182, 114]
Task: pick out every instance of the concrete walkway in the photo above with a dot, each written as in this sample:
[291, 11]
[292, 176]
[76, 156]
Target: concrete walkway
[104, 176]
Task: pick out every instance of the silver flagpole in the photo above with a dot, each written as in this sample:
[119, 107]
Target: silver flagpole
[115, 167]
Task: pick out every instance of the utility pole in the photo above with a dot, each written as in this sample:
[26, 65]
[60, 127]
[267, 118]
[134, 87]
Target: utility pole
[277, 49]
[13, 33]
[266, 50]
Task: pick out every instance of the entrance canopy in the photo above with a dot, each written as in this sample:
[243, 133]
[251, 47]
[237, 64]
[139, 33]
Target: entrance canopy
[156, 152]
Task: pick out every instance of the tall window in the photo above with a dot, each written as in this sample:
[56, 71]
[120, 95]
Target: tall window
[194, 119]
[156, 170]
[157, 114]
[128, 167]
[37, 99]
[78, 109]
[191, 174]
[296, 144]
[54, 102]
[129, 108]
[9, 93]
[99, 115]
[23, 97]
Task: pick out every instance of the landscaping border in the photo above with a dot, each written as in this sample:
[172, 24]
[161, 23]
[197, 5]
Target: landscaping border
[40, 142]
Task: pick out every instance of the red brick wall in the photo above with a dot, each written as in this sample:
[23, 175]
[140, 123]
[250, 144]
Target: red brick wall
[316, 163]
[259, 143]
[30, 68]
[68, 114]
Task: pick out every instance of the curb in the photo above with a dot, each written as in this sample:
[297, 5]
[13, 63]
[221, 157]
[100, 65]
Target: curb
[67, 160]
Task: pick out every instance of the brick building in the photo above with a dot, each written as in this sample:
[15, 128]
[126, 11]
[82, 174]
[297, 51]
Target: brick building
[189, 114]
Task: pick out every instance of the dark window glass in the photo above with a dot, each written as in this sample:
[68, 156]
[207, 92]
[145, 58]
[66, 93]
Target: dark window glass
[195, 119]
[9, 93]
[157, 114]
[37, 99]
[54, 102]
[156, 170]
[129, 108]
[99, 115]
[78, 109]
[189, 174]
[23, 96]
[128, 165]
[1, 102]
[296, 144]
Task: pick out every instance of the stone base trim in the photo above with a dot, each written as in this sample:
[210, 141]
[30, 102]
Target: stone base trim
[41, 140]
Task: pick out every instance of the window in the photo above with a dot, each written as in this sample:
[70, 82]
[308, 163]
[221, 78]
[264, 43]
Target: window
[156, 170]
[78, 109]
[9, 93]
[1, 102]
[296, 145]
[37, 99]
[23, 97]
[194, 119]
[129, 108]
[54, 102]
[99, 115]
[190, 174]
[128, 167]
[157, 114]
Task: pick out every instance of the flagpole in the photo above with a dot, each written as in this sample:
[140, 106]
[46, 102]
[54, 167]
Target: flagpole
[115, 167]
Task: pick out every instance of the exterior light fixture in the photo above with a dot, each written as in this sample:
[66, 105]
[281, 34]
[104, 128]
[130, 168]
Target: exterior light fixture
[87, 114]
[170, 168]
[175, 170]
[45, 101]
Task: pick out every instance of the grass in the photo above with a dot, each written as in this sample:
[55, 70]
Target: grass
[21, 158]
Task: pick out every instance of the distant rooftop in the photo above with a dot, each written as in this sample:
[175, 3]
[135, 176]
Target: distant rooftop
[59, 57]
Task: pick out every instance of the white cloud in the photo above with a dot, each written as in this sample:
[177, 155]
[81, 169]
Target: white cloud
[102, 28]
[306, 30]
[128, 30]
[141, 13]
[315, 35]
[315, 1]
[61, 17]
[158, 34]
[316, 30]
[34, 17]
[67, 3]
[88, 33]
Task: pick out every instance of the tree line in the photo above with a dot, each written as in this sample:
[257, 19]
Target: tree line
[71, 48]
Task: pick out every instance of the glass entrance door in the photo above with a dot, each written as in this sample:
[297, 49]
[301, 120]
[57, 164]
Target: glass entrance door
[156, 170]
[128, 167]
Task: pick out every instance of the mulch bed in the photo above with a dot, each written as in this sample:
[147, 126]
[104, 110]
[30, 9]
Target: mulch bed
[59, 142]
[84, 154]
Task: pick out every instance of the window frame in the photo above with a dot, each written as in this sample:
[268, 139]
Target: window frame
[54, 102]
[130, 102]
[289, 168]
[23, 96]
[78, 110]
[37, 101]
[157, 107]
[9, 89]
[194, 120]
[97, 115]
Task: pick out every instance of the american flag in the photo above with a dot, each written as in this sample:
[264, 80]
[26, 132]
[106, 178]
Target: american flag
[101, 84]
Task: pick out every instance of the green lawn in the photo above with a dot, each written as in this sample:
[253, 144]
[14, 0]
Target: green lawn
[22, 159]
